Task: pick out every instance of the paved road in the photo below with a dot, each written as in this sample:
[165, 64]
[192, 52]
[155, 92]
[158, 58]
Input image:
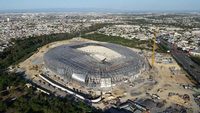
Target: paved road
[184, 60]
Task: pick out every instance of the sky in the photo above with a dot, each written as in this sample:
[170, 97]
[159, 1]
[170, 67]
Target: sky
[123, 5]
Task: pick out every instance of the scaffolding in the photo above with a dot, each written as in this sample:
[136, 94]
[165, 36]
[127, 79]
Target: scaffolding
[70, 63]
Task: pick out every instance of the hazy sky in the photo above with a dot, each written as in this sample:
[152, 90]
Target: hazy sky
[144, 5]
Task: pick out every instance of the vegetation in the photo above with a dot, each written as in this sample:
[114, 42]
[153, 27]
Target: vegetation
[119, 40]
[10, 79]
[41, 103]
[25, 47]
[163, 48]
[133, 43]
[30, 101]
[196, 59]
[18, 99]
[21, 99]
[27, 100]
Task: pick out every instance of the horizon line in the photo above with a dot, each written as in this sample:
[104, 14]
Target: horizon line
[32, 10]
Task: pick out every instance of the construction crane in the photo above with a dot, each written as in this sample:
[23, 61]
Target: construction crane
[154, 48]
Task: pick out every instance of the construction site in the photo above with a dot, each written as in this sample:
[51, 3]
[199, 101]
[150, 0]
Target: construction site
[95, 65]
[106, 74]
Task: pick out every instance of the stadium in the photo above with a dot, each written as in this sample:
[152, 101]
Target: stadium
[94, 65]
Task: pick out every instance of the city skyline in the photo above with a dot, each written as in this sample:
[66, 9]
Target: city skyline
[97, 5]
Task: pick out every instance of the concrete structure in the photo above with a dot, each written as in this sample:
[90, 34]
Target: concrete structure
[95, 65]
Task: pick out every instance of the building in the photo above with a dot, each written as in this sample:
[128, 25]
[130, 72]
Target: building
[95, 65]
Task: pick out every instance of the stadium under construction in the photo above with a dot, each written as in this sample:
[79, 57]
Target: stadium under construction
[95, 65]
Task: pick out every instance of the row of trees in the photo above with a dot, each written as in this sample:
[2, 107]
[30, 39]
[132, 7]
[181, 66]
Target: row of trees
[136, 43]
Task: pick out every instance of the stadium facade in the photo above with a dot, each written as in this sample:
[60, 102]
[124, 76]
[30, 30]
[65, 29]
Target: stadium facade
[95, 65]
